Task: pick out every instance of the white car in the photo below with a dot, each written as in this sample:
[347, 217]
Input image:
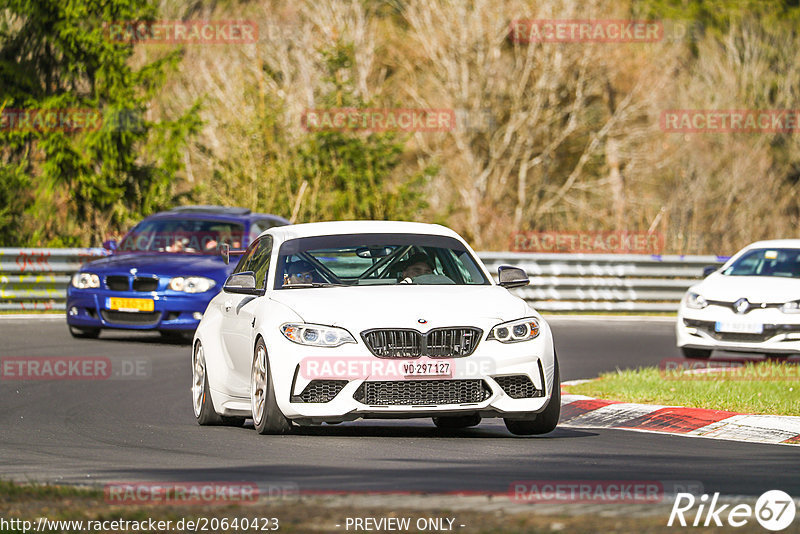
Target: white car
[750, 304]
[337, 321]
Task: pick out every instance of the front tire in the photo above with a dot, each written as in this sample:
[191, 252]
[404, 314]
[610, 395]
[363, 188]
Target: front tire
[267, 417]
[696, 354]
[546, 420]
[84, 333]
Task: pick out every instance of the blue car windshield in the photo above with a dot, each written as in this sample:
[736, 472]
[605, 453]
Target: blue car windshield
[182, 236]
[783, 262]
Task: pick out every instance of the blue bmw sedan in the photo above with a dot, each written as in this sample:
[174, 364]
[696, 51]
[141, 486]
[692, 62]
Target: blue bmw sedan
[163, 273]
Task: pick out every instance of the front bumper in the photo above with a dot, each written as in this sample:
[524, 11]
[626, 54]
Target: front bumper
[86, 308]
[353, 403]
[697, 329]
[513, 381]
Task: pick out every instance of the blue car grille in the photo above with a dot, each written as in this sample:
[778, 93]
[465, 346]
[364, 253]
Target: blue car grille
[124, 283]
[118, 283]
[131, 318]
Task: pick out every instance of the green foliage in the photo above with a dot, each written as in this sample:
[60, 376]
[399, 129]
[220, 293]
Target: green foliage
[718, 15]
[71, 186]
[347, 175]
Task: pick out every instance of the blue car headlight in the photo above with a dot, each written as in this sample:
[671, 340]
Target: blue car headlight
[191, 284]
[85, 281]
[515, 331]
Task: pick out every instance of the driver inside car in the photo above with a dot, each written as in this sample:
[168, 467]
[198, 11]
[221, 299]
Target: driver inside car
[299, 272]
[417, 265]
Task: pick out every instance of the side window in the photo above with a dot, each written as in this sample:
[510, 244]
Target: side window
[246, 259]
[260, 262]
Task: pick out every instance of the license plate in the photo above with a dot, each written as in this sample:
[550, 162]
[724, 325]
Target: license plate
[739, 328]
[125, 304]
[422, 369]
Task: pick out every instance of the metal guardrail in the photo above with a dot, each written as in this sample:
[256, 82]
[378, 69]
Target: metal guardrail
[36, 279]
[604, 282]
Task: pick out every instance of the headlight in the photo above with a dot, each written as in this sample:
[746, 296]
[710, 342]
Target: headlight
[791, 307]
[191, 284]
[85, 281]
[695, 301]
[316, 335]
[514, 331]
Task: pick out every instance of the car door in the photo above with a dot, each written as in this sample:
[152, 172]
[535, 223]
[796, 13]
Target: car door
[238, 316]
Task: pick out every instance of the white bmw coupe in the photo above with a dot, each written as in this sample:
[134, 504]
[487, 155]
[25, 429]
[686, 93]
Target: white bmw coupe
[750, 304]
[337, 321]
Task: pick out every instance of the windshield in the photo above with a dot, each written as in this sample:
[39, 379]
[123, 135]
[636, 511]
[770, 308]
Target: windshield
[186, 236]
[376, 259]
[782, 262]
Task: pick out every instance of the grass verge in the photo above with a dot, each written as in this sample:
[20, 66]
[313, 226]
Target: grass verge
[757, 388]
[300, 515]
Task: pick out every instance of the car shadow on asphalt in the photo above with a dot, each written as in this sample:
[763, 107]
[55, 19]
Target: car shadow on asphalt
[145, 337]
[361, 430]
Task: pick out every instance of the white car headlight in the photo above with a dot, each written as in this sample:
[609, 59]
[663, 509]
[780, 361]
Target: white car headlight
[316, 335]
[695, 301]
[791, 307]
[85, 281]
[191, 284]
[514, 331]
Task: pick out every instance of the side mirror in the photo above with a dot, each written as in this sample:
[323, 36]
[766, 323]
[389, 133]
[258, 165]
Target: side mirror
[226, 252]
[508, 276]
[243, 283]
[708, 269]
[110, 244]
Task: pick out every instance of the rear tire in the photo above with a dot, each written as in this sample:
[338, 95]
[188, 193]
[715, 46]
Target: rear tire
[267, 417]
[451, 422]
[201, 397]
[696, 354]
[84, 333]
[546, 420]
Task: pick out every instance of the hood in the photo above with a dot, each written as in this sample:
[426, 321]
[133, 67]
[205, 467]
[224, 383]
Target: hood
[161, 264]
[758, 289]
[402, 306]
